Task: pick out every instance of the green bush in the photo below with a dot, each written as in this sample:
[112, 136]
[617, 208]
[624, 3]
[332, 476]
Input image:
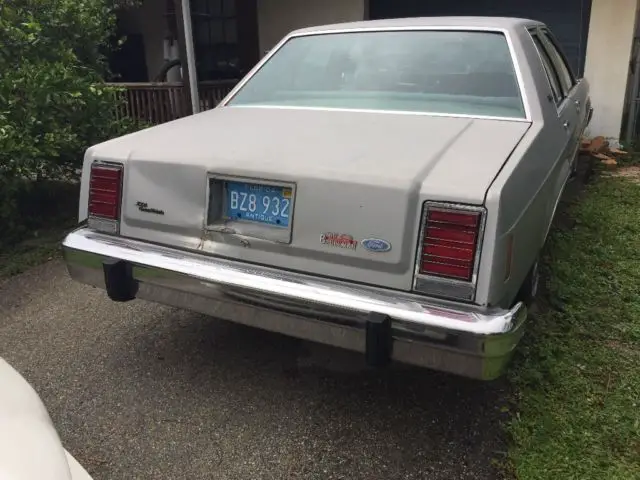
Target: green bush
[53, 102]
[32, 207]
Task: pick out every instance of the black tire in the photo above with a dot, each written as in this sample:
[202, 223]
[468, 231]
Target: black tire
[529, 288]
[162, 75]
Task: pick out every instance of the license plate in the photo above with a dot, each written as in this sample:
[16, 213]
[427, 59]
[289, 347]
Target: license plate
[253, 202]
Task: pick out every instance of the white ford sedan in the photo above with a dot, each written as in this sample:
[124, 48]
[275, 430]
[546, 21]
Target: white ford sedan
[380, 186]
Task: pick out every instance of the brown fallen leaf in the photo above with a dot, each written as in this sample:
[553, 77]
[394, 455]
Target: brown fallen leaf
[617, 151]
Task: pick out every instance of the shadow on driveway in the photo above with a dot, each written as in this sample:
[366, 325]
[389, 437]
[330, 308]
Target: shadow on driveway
[251, 404]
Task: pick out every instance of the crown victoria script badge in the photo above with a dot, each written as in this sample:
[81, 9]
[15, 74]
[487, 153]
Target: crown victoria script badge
[340, 240]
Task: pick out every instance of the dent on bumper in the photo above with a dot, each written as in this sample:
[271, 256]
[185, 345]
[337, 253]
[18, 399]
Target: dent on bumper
[456, 339]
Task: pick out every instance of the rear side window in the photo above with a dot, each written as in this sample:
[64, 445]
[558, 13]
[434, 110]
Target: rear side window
[564, 70]
[550, 70]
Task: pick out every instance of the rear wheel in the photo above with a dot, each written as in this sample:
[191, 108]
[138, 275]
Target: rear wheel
[529, 288]
[574, 166]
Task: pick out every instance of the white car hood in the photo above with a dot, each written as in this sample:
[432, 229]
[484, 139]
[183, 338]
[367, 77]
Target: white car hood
[30, 448]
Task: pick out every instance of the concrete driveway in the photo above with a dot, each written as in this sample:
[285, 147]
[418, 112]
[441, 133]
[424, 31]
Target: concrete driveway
[141, 391]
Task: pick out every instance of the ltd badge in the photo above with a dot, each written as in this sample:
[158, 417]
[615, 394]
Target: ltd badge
[144, 207]
[376, 245]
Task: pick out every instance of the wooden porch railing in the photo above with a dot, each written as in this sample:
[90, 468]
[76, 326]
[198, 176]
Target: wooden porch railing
[157, 103]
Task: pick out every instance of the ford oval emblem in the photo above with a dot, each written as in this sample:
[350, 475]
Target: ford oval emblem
[376, 245]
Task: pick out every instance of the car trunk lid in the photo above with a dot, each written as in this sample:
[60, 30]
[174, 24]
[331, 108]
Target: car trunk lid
[351, 177]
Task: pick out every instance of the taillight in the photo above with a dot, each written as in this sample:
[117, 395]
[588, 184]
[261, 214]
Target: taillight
[450, 239]
[105, 193]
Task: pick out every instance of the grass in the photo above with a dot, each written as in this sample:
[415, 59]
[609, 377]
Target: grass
[46, 210]
[577, 375]
[34, 251]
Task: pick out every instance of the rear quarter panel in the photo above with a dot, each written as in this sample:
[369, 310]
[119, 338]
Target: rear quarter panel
[522, 199]
[520, 205]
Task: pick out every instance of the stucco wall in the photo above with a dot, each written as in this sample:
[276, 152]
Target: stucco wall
[611, 30]
[276, 18]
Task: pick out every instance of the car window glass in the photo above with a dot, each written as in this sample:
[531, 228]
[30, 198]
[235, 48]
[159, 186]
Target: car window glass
[450, 72]
[566, 77]
[552, 74]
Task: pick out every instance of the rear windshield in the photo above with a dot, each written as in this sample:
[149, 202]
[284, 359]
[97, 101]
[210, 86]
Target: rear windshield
[446, 72]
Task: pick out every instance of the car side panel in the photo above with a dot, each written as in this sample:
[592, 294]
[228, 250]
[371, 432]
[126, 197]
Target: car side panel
[525, 204]
[522, 200]
[567, 122]
[581, 96]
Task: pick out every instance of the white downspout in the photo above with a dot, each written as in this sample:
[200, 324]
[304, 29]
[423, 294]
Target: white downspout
[191, 57]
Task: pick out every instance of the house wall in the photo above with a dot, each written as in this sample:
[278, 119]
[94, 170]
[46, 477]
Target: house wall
[612, 26]
[611, 30]
[276, 18]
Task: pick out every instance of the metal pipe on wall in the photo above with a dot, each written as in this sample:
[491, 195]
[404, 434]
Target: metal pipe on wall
[632, 115]
[191, 56]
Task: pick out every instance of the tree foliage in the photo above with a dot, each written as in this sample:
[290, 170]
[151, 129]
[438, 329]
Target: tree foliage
[53, 102]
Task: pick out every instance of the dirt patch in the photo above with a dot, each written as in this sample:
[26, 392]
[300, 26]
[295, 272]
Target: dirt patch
[625, 348]
[632, 173]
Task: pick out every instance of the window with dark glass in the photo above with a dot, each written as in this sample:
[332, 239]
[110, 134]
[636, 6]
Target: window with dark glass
[566, 76]
[215, 36]
[552, 74]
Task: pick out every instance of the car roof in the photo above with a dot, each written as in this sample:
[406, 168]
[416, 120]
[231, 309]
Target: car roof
[507, 23]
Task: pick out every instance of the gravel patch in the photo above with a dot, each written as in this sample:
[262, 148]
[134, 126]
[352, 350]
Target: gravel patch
[143, 391]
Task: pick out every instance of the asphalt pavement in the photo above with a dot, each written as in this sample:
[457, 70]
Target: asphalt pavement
[142, 391]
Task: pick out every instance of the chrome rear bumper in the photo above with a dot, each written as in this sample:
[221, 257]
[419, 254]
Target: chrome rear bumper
[383, 324]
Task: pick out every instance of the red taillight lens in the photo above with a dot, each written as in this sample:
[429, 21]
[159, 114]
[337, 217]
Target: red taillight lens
[450, 243]
[105, 188]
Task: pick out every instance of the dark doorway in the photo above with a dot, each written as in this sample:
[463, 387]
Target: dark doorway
[127, 62]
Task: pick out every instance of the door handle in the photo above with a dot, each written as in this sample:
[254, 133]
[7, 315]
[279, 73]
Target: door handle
[578, 105]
